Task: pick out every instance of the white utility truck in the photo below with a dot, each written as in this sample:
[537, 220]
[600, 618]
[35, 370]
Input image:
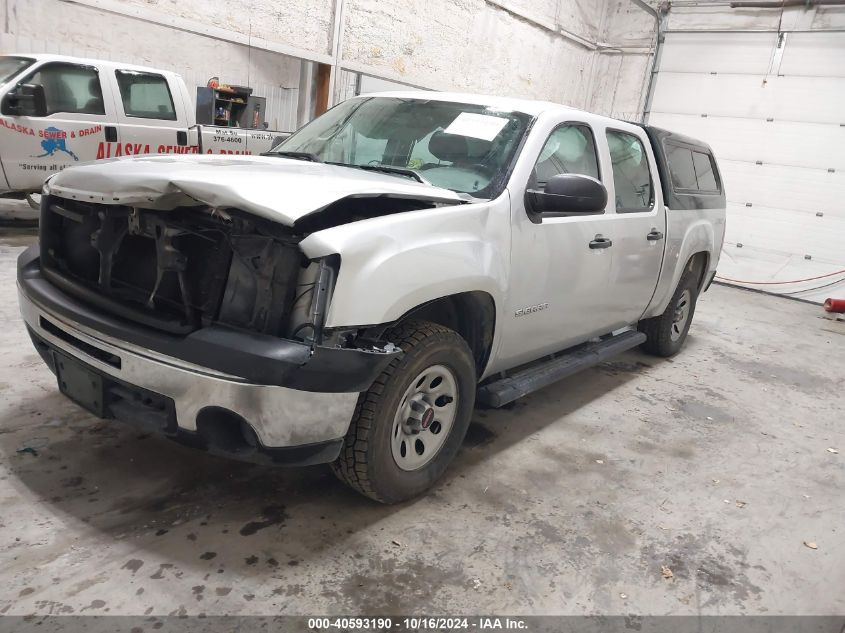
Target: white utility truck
[349, 296]
[58, 111]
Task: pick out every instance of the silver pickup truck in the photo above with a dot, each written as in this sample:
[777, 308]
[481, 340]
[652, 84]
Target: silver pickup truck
[352, 295]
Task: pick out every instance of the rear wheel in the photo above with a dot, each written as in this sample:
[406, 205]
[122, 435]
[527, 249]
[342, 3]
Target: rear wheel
[409, 425]
[666, 333]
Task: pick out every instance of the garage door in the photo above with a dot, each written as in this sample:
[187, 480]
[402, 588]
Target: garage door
[773, 109]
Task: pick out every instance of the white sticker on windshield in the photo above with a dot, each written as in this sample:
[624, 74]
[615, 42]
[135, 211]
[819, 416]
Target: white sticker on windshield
[476, 126]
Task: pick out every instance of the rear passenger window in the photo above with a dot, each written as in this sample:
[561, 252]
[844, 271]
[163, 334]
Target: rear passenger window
[691, 170]
[681, 167]
[569, 150]
[145, 95]
[704, 172]
[631, 176]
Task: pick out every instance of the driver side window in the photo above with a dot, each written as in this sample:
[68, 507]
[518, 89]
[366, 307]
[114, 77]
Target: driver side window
[570, 149]
[69, 88]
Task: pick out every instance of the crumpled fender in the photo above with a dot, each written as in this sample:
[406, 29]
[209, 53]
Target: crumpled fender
[392, 264]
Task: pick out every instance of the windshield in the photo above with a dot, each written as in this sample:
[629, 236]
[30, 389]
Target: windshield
[11, 66]
[463, 147]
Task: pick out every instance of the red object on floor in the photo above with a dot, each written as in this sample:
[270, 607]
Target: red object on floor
[834, 305]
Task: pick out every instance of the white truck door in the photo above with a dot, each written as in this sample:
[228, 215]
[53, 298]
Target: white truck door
[64, 124]
[560, 267]
[639, 226]
[151, 112]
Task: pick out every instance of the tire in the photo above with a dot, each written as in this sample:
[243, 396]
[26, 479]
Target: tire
[666, 333]
[372, 460]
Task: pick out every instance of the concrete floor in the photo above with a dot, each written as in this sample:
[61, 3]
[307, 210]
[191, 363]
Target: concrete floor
[16, 212]
[715, 464]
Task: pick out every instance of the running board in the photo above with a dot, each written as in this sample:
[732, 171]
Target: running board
[524, 381]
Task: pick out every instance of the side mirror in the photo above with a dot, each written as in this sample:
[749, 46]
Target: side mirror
[25, 100]
[567, 193]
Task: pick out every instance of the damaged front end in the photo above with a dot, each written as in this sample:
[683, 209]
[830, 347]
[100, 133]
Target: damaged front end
[173, 270]
[219, 288]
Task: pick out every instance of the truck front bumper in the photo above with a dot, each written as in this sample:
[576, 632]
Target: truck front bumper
[199, 405]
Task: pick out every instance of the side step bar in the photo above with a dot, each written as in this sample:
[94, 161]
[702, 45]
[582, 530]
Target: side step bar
[524, 381]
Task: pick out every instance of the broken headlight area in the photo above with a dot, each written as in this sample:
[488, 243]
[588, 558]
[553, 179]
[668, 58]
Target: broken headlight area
[180, 270]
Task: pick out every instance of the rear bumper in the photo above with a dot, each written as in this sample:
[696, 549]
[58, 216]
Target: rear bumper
[290, 425]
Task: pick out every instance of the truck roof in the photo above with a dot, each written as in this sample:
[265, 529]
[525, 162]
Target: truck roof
[86, 60]
[527, 106]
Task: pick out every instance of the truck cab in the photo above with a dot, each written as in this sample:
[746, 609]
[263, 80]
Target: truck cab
[351, 295]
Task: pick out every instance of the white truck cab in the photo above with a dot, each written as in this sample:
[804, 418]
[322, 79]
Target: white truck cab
[349, 296]
[58, 111]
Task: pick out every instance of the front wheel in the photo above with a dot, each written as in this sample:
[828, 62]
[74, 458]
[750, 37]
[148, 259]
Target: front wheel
[409, 425]
[666, 333]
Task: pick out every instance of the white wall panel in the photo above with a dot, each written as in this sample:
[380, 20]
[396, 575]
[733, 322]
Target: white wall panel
[618, 85]
[711, 18]
[814, 54]
[795, 225]
[304, 24]
[753, 96]
[581, 17]
[471, 46]
[746, 263]
[809, 191]
[718, 52]
[626, 22]
[785, 231]
[774, 245]
[831, 17]
[816, 146]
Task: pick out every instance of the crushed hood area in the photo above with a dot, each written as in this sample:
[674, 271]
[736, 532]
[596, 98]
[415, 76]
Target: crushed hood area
[279, 189]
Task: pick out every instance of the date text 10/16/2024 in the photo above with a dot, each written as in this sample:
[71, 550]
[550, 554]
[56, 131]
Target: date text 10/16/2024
[417, 624]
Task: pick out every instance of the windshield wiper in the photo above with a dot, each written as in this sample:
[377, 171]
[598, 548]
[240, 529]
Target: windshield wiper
[389, 169]
[297, 155]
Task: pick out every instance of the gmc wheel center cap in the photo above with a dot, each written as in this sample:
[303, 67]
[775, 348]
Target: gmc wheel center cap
[427, 418]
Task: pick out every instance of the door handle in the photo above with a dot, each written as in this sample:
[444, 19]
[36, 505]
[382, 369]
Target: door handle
[654, 235]
[601, 242]
[111, 134]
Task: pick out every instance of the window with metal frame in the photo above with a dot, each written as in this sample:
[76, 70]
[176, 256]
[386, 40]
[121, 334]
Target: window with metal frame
[69, 88]
[570, 149]
[632, 182]
[681, 167]
[12, 65]
[691, 169]
[704, 172]
[145, 95]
